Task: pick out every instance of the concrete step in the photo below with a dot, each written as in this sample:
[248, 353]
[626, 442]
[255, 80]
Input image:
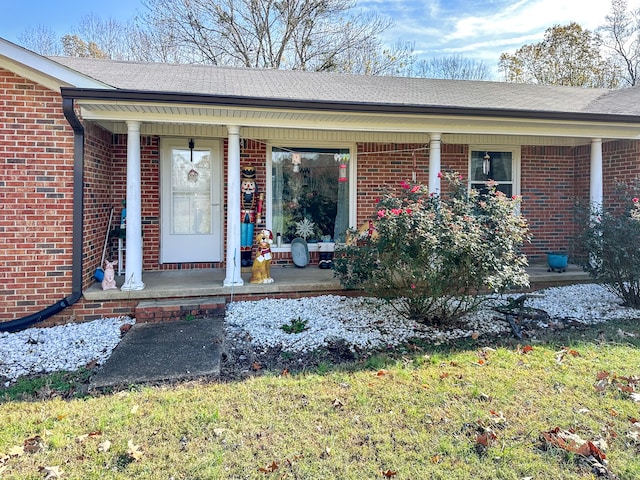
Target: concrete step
[170, 309]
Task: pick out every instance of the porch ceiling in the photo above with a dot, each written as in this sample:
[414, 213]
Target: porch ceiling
[113, 114]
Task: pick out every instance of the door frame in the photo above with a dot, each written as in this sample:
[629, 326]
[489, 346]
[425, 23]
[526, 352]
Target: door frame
[217, 194]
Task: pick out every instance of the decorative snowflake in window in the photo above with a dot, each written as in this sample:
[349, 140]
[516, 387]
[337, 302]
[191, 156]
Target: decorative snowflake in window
[304, 228]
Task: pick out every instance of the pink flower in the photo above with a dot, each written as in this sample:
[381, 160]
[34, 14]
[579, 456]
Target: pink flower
[409, 211]
[635, 200]
[396, 211]
[376, 200]
[460, 177]
[413, 286]
[415, 189]
[404, 184]
[381, 213]
[439, 174]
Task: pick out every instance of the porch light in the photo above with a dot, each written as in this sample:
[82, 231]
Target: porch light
[486, 163]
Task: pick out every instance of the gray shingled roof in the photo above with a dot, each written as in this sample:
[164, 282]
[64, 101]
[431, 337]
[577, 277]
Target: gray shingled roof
[354, 89]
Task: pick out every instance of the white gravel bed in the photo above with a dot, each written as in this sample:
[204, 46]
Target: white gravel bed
[362, 323]
[369, 323]
[66, 347]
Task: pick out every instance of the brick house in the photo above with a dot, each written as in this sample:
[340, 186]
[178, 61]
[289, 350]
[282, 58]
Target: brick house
[78, 136]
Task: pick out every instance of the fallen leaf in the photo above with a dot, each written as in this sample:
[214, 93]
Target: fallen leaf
[602, 375]
[435, 459]
[33, 444]
[269, 468]
[634, 432]
[256, 366]
[444, 375]
[526, 349]
[82, 438]
[125, 328]
[134, 451]
[381, 373]
[104, 446]
[486, 438]
[51, 472]
[389, 473]
[285, 372]
[219, 431]
[91, 365]
[135, 409]
[475, 335]
[16, 451]
[337, 403]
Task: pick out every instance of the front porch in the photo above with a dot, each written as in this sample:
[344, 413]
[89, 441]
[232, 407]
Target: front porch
[180, 293]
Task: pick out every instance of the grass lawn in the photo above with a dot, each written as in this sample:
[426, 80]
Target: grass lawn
[472, 411]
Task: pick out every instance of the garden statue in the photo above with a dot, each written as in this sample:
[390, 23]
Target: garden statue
[249, 195]
[261, 269]
[109, 279]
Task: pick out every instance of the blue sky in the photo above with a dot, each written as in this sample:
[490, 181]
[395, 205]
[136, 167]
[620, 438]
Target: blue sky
[479, 29]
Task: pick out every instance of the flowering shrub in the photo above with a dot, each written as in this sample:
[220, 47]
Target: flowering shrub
[430, 255]
[609, 242]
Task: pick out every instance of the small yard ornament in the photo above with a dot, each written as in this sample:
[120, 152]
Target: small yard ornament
[261, 269]
[109, 280]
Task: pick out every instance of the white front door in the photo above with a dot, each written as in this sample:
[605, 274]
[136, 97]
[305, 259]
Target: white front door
[190, 201]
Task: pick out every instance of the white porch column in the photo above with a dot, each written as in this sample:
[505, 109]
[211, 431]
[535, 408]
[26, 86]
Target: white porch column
[233, 276]
[595, 192]
[133, 271]
[434, 163]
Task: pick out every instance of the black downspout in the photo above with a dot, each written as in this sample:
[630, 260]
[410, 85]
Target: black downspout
[76, 255]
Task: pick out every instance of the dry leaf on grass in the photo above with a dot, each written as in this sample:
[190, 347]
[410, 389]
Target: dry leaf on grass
[269, 468]
[134, 451]
[104, 446]
[51, 472]
[634, 433]
[34, 444]
[389, 473]
[16, 451]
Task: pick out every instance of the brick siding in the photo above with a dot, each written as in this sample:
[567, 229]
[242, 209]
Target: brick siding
[36, 209]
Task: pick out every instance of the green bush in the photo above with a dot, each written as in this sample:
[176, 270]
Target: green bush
[431, 255]
[609, 243]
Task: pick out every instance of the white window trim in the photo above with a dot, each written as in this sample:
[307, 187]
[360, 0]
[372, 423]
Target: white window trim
[353, 161]
[516, 152]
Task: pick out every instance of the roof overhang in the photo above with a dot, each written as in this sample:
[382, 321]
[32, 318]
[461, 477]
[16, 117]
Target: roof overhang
[42, 70]
[123, 105]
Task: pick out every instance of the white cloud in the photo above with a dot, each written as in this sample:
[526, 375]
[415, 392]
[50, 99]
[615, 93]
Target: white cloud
[484, 29]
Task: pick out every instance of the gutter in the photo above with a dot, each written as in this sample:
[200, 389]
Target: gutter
[76, 255]
[334, 106]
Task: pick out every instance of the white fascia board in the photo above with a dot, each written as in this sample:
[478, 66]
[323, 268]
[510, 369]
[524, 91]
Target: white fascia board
[365, 122]
[43, 70]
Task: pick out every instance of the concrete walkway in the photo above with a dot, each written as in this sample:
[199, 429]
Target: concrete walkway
[155, 352]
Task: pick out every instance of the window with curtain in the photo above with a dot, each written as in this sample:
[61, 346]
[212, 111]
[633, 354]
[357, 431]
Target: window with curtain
[310, 193]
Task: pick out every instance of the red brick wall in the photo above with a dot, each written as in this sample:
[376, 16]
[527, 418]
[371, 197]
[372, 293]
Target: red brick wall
[98, 197]
[548, 198]
[36, 204]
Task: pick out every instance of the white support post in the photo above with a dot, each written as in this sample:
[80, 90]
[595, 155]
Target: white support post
[133, 270]
[595, 174]
[434, 163]
[233, 271]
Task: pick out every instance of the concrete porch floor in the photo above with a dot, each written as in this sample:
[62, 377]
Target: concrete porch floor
[287, 281]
